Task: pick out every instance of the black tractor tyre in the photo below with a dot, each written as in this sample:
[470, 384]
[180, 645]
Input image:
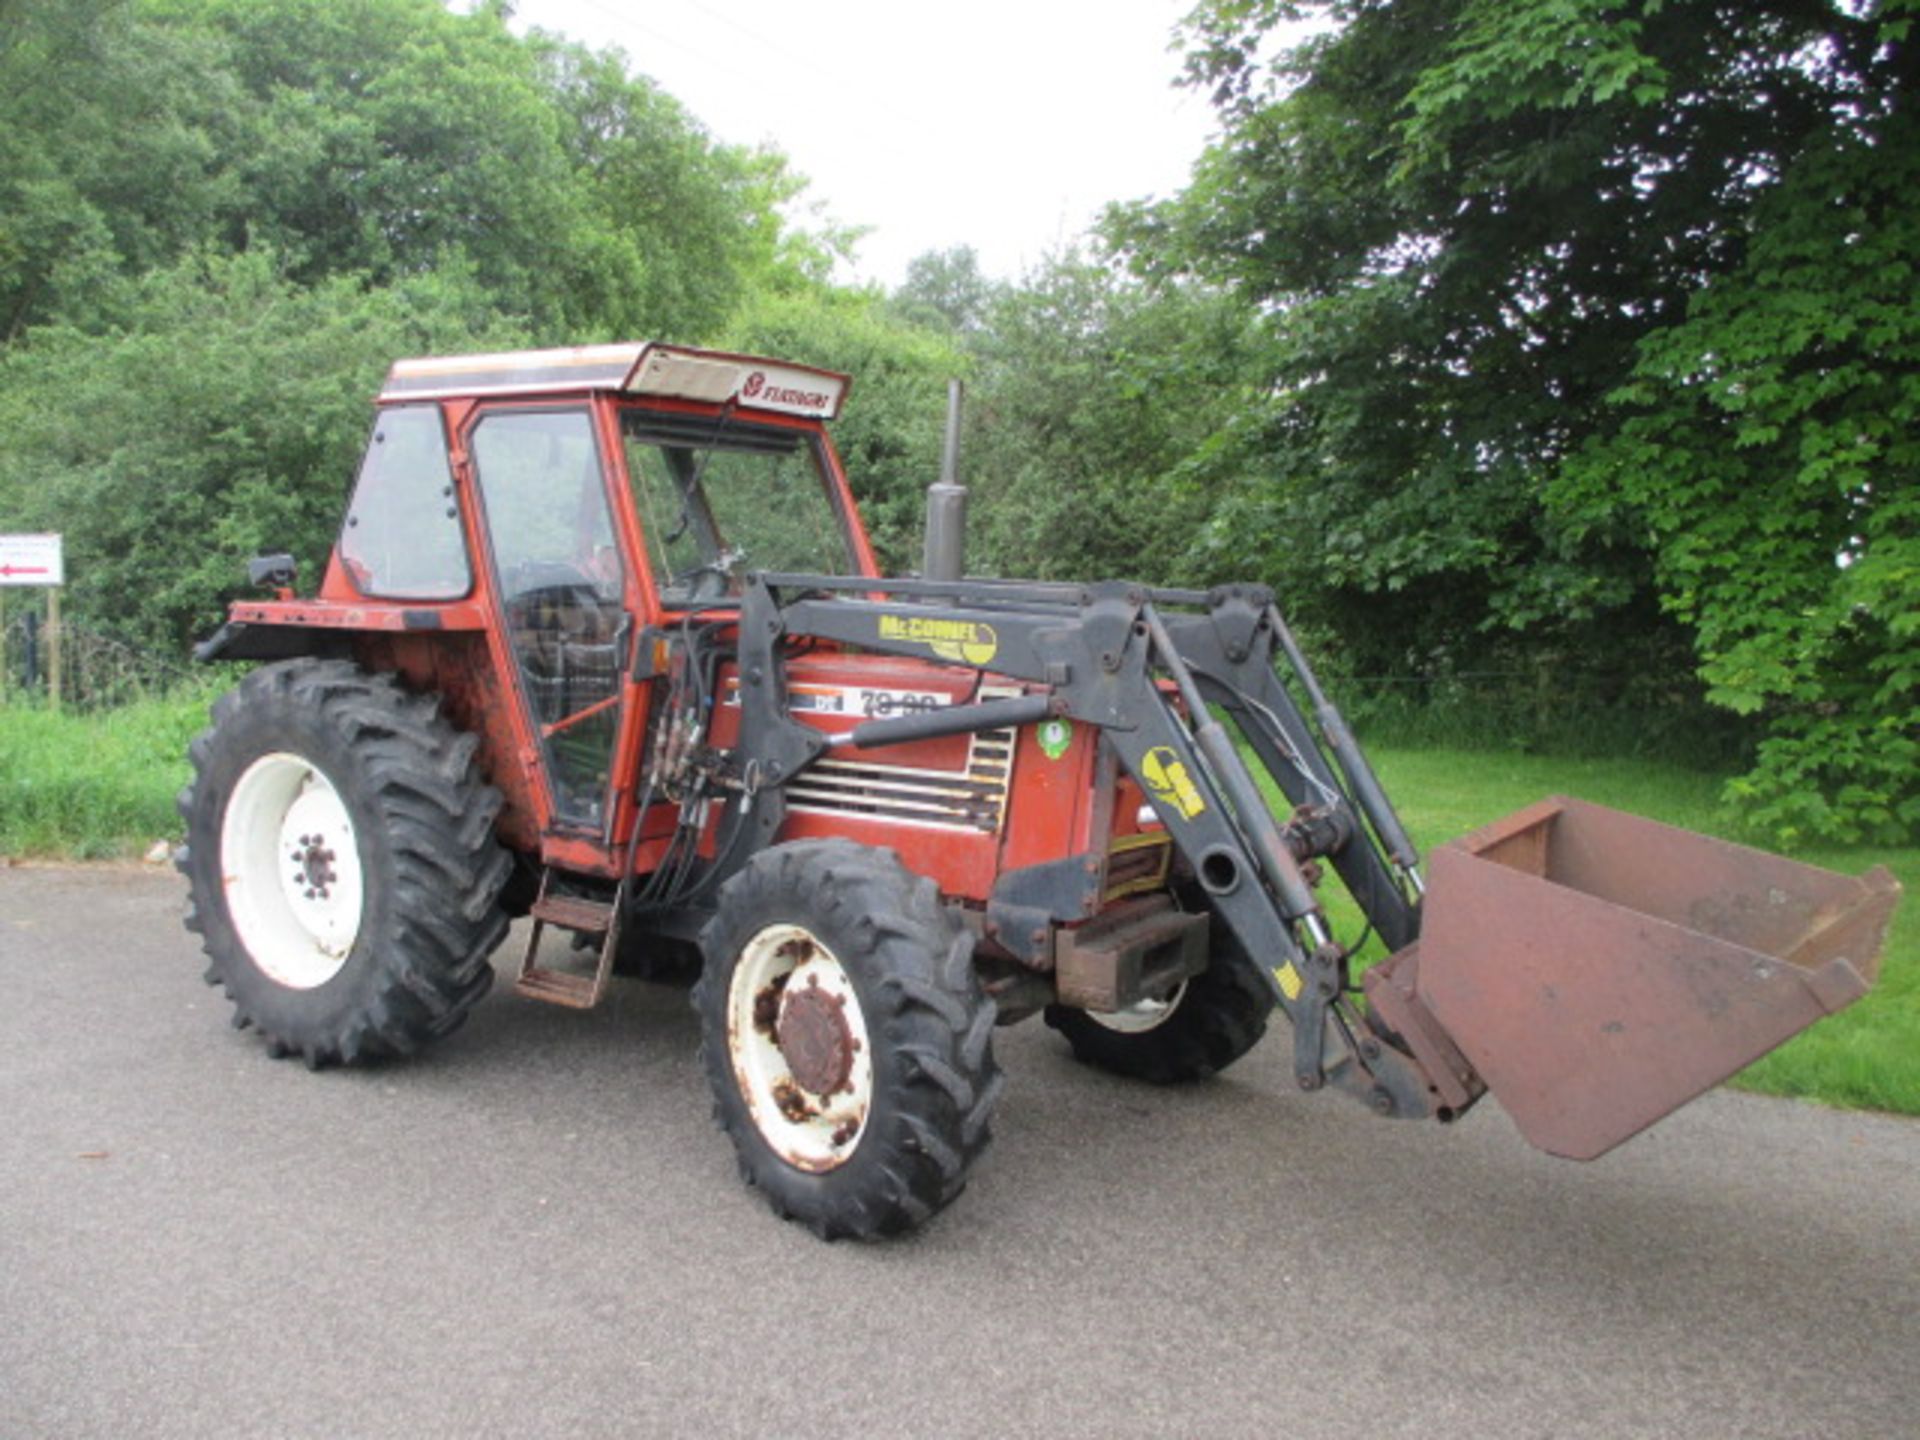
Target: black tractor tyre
[1216, 1017]
[890, 1009]
[338, 780]
[522, 886]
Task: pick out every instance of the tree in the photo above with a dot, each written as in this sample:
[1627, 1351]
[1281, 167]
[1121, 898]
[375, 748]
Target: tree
[1503, 249]
[220, 221]
[375, 139]
[946, 288]
[1096, 398]
[221, 418]
[1769, 443]
[108, 136]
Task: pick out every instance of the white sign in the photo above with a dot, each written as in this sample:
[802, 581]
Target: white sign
[714, 376]
[32, 560]
[793, 392]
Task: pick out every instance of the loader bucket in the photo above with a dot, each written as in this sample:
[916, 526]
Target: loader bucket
[1599, 970]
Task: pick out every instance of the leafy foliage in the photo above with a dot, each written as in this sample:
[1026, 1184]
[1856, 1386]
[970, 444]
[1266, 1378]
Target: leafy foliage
[109, 153]
[944, 289]
[220, 220]
[163, 447]
[1770, 442]
[1093, 394]
[1502, 250]
[374, 138]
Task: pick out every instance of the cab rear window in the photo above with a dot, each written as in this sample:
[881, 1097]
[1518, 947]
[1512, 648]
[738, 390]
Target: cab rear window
[402, 537]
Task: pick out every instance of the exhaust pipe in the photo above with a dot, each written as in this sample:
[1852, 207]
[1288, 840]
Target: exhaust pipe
[946, 549]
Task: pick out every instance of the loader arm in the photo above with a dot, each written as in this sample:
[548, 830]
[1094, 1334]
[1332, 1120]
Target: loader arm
[1101, 653]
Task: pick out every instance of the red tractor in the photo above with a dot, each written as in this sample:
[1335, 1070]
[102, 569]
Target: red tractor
[603, 642]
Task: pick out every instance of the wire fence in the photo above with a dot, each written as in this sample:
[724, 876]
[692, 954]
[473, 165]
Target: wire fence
[97, 671]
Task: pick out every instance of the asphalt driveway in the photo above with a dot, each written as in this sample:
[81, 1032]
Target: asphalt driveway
[535, 1230]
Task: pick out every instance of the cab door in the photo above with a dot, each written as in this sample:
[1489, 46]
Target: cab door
[561, 589]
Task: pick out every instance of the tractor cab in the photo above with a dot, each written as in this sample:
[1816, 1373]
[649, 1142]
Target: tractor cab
[553, 507]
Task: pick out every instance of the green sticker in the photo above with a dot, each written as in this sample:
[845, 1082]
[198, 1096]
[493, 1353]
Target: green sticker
[1055, 736]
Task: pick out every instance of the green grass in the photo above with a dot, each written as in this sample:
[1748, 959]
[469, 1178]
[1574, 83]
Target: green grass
[102, 786]
[94, 787]
[1866, 1057]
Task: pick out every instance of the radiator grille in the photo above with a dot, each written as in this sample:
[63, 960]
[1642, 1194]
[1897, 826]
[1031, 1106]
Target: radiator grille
[971, 799]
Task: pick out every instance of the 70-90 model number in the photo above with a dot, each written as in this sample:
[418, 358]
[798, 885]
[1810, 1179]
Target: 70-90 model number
[856, 700]
[880, 703]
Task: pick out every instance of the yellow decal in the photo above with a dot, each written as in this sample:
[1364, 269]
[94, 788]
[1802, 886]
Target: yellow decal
[1167, 778]
[967, 641]
[1290, 982]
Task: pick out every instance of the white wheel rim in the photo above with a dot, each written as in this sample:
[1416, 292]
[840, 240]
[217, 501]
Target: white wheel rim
[1144, 1015]
[290, 863]
[806, 1129]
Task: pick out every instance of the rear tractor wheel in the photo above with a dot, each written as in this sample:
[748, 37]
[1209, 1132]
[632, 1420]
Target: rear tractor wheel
[846, 1038]
[343, 869]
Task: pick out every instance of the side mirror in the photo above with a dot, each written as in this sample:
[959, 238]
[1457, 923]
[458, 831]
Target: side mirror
[274, 570]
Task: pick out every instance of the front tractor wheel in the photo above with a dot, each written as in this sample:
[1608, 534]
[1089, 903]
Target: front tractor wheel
[846, 1038]
[341, 862]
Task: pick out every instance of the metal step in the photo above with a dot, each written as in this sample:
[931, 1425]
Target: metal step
[574, 912]
[560, 987]
[571, 988]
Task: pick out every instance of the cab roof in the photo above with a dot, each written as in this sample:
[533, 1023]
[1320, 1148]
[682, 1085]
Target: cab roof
[640, 367]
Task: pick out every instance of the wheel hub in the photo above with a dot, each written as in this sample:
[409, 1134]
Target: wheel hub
[813, 1034]
[313, 868]
[291, 870]
[798, 1047]
[1142, 1016]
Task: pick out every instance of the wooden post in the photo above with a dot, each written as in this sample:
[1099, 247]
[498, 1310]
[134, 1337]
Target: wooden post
[53, 646]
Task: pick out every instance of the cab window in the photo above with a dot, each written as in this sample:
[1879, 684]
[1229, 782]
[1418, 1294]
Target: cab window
[720, 497]
[402, 538]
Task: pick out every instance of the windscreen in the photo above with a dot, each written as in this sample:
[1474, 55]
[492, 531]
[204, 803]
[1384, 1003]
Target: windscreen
[718, 497]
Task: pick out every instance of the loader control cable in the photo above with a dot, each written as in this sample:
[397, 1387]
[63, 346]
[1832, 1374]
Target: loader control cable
[689, 698]
[1277, 733]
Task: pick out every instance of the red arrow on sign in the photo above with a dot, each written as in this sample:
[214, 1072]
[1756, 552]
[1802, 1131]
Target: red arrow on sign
[24, 570]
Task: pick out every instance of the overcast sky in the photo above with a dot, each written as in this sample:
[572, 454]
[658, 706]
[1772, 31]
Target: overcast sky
[1001, 125]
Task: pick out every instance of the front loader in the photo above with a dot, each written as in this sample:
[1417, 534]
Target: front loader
[603, 642]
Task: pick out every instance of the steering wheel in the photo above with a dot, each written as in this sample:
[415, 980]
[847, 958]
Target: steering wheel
[533, 585]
